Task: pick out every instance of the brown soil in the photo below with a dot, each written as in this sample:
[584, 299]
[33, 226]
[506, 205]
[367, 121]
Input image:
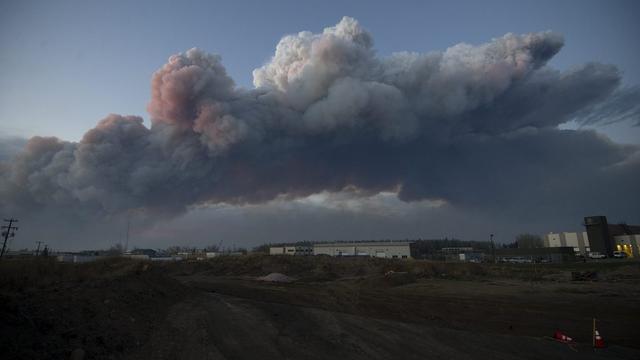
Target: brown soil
[339, 308]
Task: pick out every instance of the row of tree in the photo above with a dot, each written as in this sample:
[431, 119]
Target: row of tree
[526, 241]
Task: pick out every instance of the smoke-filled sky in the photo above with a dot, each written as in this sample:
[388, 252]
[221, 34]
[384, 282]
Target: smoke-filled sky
[269, 123]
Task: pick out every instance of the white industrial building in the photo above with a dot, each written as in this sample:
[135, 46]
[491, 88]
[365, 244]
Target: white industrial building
[579, 241]
[387, 249]
[291, 250]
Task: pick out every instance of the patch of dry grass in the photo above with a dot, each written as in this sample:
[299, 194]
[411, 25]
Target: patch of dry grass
[325, 268]
[20, 274]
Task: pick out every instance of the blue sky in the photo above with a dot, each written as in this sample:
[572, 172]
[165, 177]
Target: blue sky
[65, 65]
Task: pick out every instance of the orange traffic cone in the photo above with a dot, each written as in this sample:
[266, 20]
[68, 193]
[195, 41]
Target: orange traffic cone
[560, 336]
[598, 341]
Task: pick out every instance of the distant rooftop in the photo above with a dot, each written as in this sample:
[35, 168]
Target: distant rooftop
[365, 243]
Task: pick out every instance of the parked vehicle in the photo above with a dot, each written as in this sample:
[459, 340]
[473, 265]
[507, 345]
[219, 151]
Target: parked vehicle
[619, 254]
[517, 260]
[596, 255]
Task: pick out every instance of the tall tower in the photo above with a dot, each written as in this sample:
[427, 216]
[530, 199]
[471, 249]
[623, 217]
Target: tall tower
[598, 233]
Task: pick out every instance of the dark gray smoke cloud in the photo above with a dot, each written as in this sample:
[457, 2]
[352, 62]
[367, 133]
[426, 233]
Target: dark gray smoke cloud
[472, 126]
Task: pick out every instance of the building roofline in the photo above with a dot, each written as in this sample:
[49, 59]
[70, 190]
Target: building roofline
[374, 243]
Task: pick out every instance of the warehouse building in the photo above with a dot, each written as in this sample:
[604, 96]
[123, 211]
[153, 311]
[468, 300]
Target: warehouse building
[579, 241]
[606, 238]
[628, 244]
[388, 249]
[599, 237]
[291, 250]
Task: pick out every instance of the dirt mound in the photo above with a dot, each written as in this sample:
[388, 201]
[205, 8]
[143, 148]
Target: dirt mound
[276, 277]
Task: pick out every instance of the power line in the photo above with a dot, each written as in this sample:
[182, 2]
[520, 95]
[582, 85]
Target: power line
[8, 231]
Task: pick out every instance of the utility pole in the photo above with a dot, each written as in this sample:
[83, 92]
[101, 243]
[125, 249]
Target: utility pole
[126, 245]
[38, 249]
[8, 231]
[493, 249]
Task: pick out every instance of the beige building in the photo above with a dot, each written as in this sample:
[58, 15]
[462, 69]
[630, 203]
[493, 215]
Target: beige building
[291, 250]
[628, 244]
[390, 249]
[579, 241]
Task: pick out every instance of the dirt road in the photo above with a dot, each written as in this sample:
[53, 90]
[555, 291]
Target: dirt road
[211, 325]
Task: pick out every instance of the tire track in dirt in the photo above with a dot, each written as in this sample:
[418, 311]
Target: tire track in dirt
[210, 325]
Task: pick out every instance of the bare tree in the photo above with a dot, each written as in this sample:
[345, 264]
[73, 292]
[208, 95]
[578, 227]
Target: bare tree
[116, 250]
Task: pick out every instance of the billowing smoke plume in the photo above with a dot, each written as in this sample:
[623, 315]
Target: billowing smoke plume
[473, 126]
